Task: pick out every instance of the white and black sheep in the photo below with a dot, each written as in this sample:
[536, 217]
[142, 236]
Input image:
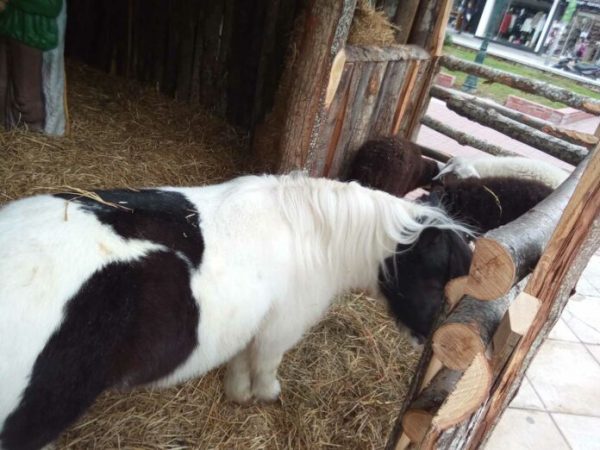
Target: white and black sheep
[487, 203]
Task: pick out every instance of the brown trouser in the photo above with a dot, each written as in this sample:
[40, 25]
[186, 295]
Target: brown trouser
[21, 95]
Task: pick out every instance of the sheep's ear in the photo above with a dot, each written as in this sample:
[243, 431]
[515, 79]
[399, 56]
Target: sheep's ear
[443, 171]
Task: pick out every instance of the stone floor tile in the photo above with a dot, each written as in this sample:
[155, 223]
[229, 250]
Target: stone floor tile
[582, 315]
[581, 432]
[521, 429]
[566, 378]
[526, 397]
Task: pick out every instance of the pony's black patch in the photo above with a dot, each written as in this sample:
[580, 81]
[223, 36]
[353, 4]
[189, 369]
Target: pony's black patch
[164, 217]
[417, 275]
[130, 323]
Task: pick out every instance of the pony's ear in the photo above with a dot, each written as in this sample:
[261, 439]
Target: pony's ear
[430, 236]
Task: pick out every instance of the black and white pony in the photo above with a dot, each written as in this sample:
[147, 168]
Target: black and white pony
[154, 287]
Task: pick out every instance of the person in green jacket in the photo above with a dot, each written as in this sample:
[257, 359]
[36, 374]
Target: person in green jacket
[28, 28]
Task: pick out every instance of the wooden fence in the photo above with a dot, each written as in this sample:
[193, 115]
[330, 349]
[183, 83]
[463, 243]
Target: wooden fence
[520, 279]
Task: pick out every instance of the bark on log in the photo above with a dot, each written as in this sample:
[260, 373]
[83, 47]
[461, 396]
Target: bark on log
[469, 329]
[385, 54]
[325, 32]
[573, 154]
[505, 255]
[573, 243]
[465, 138]
[435, 154]
[572, 136]
[523, 83]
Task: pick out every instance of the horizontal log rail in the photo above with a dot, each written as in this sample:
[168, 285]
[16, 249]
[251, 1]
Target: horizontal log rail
[505, 255]
[465, 138]
[572, 154]
[572, 136]
[525, 84]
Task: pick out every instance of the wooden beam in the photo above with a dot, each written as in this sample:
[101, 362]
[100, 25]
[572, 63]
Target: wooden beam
[465, 138]
[325, 31]
[573, 154]
[386, 54]
[572, 136]
[526, 84]
[505, 255]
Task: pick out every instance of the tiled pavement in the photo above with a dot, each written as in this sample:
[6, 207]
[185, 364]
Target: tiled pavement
[558, 405]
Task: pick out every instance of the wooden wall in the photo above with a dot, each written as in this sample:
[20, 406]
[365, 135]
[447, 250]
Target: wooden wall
[226, 54]
[377, 95]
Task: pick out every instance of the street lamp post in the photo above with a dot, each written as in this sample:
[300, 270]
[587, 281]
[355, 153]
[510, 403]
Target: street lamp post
[470, 84]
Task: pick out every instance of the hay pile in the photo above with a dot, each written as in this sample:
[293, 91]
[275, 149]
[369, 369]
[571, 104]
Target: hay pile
[122, 135]
[371, 27]
[342, 385]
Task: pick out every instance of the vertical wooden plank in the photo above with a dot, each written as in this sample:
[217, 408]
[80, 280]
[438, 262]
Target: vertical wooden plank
[404, 19]
[339, 155]
[186, 24]
[332, 125]
[209, 73]
[363, 118]
[412, 99]
[198, 51]
[388, 99]
[404, 99]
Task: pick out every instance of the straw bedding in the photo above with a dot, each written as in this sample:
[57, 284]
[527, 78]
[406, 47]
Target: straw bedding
[342, 385]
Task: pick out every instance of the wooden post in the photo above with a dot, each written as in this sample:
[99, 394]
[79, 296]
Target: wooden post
[326, 26]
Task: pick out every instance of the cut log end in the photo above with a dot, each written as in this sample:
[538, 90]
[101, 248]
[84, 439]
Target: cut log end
[450, 398]
[492, 272]
[469, 393]
[455, 344]
[415, 423]
[455, 290]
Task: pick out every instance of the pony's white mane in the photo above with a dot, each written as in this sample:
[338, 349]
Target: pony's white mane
[348, 230]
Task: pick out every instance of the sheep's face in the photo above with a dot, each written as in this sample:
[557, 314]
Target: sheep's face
[457, 167]
[417, 275]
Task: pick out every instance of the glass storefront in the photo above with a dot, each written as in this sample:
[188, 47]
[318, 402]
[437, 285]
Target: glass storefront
[519, 22]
